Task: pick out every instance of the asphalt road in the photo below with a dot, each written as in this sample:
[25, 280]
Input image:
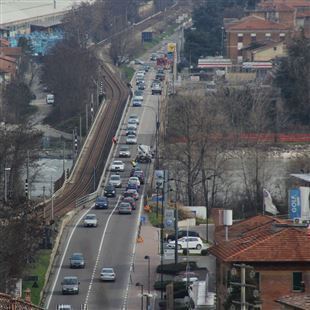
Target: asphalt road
[111, 243]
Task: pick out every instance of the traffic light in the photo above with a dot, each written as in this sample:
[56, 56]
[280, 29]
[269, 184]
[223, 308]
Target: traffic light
[26, 187]
[75, 142]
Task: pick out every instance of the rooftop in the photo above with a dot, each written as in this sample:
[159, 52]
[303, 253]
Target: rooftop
[255, 23]
[298, 301]
[263, 239]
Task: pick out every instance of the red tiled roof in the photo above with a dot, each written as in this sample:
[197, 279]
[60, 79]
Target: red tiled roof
[255, 23]
[266, 241]
[4, 42]
[299, 301]
[304, 13]
[11, 51]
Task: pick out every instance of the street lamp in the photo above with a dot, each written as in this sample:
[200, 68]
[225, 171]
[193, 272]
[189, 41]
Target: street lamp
[6, 170]
[149, 279]
[141, 285]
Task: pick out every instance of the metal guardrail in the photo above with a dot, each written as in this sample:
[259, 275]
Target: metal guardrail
[82, 201]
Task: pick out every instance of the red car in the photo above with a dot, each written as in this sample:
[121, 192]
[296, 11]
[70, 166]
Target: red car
[131, 193]
[130, 200]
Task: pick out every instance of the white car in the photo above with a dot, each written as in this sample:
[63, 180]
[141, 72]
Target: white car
[131, 139]
[117, 165]
[124, 151]
[107, 274]
[132, 121]
[187, 242]
[90, 220]
[64, 307]
[115, 180]
[135, 117]
[134, 180]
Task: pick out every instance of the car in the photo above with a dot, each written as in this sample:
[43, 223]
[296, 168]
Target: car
[124, 208]
[140, 80]
[131, 193]
[136, 103]
[134, 180]
[50, 99]
[101, 203]
[132, 186]
[135, 117]
[70, 285]
[153, 56]
[140, 175]
[132, 127]
[77, 260]
[107, 274]
[138, 92]
[132, 121]
[115, 180]
[187, 242]
[124, 151]
[131, 133]
[109, 191]
[90, 220]
[141, 73]
[134, 169]
[117, 165]
[131, 139]
[131, 201]
[139, 62]
[141, 85]
[183, 233]
[64, 307]
[146, 68]
[156, 89]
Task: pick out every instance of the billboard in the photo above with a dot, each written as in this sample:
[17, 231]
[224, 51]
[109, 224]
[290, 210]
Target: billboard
[294, 203]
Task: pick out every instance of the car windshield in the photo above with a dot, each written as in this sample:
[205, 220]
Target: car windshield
[101, 199]
[117, 162]
[124, 148]
[109, 187]
[70, 281]
[107, 270]
[125, 204]
[90, 216]
[115, 177]
[131, 137]
[77, 256]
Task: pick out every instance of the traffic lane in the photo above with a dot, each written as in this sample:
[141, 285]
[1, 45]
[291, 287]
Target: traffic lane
[117, 254]
[80, 242]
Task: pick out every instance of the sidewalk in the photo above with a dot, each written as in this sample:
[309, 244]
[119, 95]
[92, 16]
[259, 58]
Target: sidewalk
[139, 274]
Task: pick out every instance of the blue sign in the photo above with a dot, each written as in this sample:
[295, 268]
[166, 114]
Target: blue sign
[143, 219]
[147, 36]
[157, 198]
[294, 203]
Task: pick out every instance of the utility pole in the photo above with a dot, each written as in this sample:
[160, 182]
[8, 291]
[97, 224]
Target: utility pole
[162, 238]
[86, 117]
[28, 193]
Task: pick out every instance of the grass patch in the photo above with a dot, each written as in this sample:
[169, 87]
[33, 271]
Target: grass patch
[154, 220]
[38, 268]
[128, 72]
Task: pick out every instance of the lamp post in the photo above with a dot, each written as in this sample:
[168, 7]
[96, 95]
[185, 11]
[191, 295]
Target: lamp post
[6, 170]
[141, 285]
[149, 279]
[222, 41]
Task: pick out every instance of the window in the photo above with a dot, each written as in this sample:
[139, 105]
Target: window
[240, 37]
[297, 281]
[257, 279]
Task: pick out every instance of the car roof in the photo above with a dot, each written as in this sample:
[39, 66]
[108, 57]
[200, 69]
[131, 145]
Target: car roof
[77, 254]
[107, 269]
[101, 198]
[91, 215]
[115, 175]
[117, 162]
[70, 277]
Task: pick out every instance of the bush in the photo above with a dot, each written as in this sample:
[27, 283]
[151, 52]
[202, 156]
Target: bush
[174, 269]
[204, 252]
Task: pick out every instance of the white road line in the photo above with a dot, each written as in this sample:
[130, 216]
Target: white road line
[99, 252]
[63, 257]
[133, 252]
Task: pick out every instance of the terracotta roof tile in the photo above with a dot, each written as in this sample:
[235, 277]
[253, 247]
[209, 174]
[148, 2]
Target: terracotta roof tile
[255, 23]
[298, 301]
[269, 241]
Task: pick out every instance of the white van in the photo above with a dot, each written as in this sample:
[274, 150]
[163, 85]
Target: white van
[50, 99]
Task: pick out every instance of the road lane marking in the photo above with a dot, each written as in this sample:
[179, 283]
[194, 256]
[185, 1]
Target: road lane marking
[98, 255]
[63, 256]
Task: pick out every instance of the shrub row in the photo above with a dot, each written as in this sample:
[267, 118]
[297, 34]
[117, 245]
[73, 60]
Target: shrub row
[174, 269]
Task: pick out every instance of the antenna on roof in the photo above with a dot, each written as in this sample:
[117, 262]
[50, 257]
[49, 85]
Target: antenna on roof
[227, 220]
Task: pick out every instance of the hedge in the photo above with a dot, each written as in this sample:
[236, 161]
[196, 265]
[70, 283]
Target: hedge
[174, 269]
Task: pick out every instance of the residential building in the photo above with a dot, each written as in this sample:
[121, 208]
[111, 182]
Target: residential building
[278, 251]
[264, 51]
[8, 67]
[249, 30]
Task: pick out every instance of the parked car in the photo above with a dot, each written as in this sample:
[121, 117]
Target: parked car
[101, 203]
[132, 121]
[124, 208]
[130, 200]
[107, 274]
[183, 233]
[141, 85]
[140, 175]
[187, 242]
[90, 220]
[131, 139]
[146, 68]
[134, 180]
[117, 165]
[138, 92]
[185, 276]
[77, 260]
[131, 133]
[70, 285]
[135, 117]
[131, 193]
[131, 127]
[115, 180]
[50, 99]
[109, 191]
[124, 151]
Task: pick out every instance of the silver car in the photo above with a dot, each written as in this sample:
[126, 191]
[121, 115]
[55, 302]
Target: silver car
[124, 208]
[131, 139]
[90, 220]
[70, 285]
[115, 180]
[124, 151]
[107, 274]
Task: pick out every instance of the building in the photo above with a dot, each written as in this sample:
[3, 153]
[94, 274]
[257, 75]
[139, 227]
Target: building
[264, 51]
[278, 251]
[295, 302]
[249, 30]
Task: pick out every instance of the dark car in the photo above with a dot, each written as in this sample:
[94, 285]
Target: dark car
[131, 193]
[132, 186]
[131, 132]
[133, 170]
[181, 234]
[130, 200]
[109, 191]
[102, 203]
[141, 86]
[77, 260]
[140, 175]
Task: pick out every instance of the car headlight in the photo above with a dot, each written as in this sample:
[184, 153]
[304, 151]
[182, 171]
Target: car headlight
[75, 288]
